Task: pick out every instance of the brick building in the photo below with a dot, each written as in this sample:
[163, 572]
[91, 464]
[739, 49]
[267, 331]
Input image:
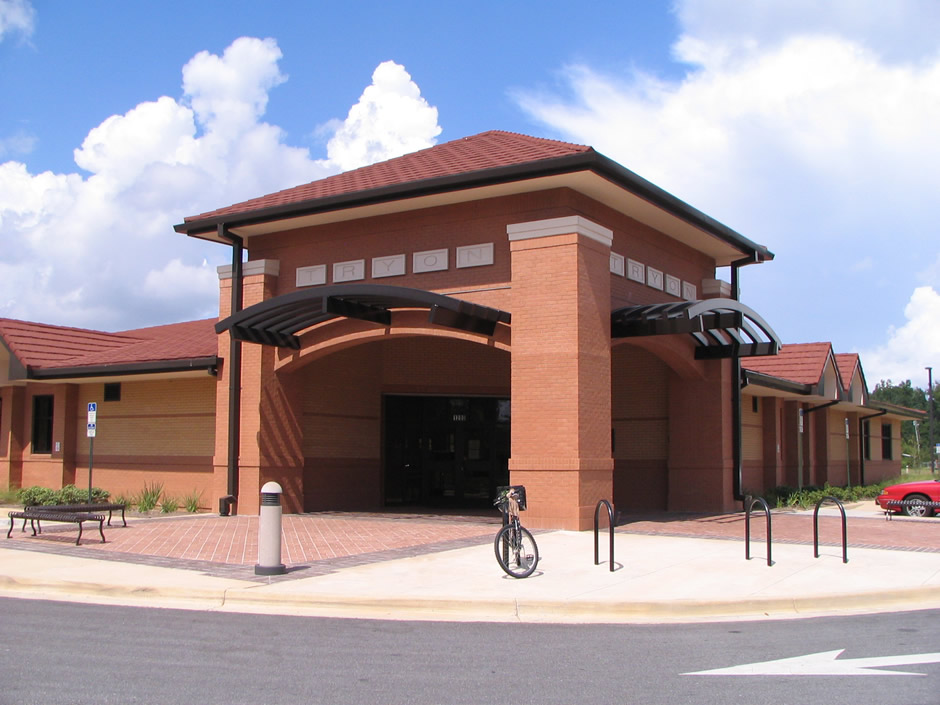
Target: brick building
[496, 309]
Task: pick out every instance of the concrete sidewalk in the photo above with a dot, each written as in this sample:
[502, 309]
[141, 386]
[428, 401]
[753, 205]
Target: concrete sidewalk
[658, 576]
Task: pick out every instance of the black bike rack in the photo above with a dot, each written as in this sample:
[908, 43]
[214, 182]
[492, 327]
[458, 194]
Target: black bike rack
[845, 553]
[747, 528]
[610, 523]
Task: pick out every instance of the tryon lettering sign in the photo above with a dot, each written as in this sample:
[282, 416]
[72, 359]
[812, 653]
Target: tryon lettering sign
[480, 255]
[654, 278]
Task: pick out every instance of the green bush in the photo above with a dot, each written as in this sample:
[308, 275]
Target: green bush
[149, 497]
[70, 494]
[35, 496]
[169, 505]
[783, 496]
[192, 501]
[9, 496]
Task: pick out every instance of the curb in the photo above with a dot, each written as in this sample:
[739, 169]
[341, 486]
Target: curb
[249, 599]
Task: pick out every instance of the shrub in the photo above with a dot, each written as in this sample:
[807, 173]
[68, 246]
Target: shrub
[9, 496]
[99, 495]
[192, 501]
[808, 496]
[124, 499]
[169, 505]
[70, 494]
[35, 495]
[149, 497]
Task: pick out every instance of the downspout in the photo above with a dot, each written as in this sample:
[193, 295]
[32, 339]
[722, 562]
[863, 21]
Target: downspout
[861, 440]
[234, 373]
[736, 384]
[804, 412]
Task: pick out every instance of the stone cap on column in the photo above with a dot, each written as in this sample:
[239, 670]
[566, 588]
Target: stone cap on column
[258, 266]
[560, 226]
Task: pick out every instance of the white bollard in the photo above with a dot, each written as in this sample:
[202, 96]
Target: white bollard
[269, 531]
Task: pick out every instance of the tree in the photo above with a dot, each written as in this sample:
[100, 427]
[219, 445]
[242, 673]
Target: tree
[907, 395]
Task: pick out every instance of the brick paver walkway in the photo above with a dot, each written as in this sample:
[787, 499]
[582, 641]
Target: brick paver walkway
[316, 544]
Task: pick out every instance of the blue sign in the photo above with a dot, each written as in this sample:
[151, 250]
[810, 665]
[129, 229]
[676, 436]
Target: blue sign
[92, 406]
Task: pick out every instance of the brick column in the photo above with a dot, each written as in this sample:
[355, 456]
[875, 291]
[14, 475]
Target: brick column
[561, 417]
[270, 442]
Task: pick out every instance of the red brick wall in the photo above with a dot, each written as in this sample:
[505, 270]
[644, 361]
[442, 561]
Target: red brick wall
[640, 417]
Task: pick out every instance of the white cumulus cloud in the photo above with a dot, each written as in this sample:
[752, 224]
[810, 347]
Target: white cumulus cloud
[390, 119]
[910, 347]
[807, 127]
[96, 248]
[16, 16]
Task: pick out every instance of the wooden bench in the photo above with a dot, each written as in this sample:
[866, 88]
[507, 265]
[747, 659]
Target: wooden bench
[94, 508]
[37, 517]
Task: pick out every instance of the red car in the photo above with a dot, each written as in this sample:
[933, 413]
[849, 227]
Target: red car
[925, 491]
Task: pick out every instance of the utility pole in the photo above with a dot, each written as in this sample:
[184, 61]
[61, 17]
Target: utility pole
[933, 461]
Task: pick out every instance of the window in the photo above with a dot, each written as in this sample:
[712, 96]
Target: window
[754, 405]
[112, 391]
[42, 423]
[886, 441]
[866, 439]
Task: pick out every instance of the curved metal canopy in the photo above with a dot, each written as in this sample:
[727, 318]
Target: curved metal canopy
[278, 320]
[721, 327]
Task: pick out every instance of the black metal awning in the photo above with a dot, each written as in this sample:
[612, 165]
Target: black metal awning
[721, 327]
[277, 321]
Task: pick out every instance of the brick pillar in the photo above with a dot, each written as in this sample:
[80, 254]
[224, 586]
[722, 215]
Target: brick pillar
[561, 416]
[12, 436]
[270, 437]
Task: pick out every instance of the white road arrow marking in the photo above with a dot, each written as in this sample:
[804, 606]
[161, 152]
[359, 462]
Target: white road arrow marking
[824, 663]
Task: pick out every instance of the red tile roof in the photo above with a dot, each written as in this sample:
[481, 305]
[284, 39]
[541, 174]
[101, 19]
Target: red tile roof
[41, 346]
[486, 150]
[847, 364]
[802, 363]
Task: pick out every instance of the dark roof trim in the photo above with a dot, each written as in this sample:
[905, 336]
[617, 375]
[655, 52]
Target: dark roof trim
[721, 328]
[761, 379]
[129, 368]
[895, 409]
[584, 161]
[277, 321]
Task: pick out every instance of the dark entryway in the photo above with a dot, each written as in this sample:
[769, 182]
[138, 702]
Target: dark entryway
[445, 451]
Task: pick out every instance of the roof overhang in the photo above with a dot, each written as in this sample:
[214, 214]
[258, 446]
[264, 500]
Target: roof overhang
[157, 369]
[279, 320]
[589, 173]
[721, 328]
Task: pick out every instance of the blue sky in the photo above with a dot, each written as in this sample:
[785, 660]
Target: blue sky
[807, 125]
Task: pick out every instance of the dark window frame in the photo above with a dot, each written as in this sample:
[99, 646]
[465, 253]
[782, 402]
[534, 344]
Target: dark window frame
[112, 391]
[43, 415]
[886, 445]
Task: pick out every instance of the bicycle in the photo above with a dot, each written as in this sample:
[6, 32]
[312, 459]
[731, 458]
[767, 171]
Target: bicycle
[516, 550]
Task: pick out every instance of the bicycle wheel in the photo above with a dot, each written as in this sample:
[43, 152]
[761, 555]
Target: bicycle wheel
[516, 551]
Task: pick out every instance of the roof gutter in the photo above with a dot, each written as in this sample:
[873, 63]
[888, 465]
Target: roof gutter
[569, 164]
[737, 382]
[132, 368]
[230, 502]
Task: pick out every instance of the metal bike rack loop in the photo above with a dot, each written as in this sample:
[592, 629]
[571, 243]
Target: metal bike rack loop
[747, 528]
[845, 550]
[610, 522]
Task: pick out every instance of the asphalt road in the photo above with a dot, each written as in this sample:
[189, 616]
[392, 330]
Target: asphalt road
[53, 653]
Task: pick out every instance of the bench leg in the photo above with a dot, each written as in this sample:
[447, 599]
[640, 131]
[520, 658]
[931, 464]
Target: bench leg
[35, 524]
[123, 519]
[101, 531]
[78, 541]
[11, 527]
